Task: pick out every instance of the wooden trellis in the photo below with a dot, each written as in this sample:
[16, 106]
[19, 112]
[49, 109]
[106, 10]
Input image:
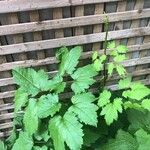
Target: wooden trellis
[32, 30]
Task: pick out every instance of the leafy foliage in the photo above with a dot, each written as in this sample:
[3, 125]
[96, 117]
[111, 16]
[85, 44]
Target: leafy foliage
[84, 108]
[68, 129]
[48, 122]
[24, 141]
[123, 140]
[83, 78]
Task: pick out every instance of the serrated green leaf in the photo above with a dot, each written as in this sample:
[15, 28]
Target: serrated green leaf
[124, 83]
[137, 92]
[66, 129]
[111, 67]
[131, 105]
[146, 104]
[47, 105]
[95, 55]
[84, 108]
[103, 58]
[21, 99]
[97, 65]
[110, 111]
[30, 119]
[83, 78]
[143, 139]
[104, 98]
[122, 49]
[111, 45]
[121, 70]
[70, 60]
[40, 148]
[113, 53]
[120, 58]
[24, 141]
[123, 141]
[30, 81]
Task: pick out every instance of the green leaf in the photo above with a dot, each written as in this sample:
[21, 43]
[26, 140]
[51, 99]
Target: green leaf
[124, 83]
[95, 55]
[57, 84]
[146, 104]
[123, 141]
[47, 105]
[104, 98]
[111, 45]
[111, 67]
[122, 49]
[24, 141]
[42, 132]
[121, 70]
[21, 99]
[84, 108]
[30, 119]
[83, 78]
[30, 81]
[138, 91]
[103, 58]
[131, 105]
[138, 120]
[70, 60]
[40, 148]
[97, 65]
[143, 139]
[2, 146]
[110, 111]
[66, 129]
[120, 58]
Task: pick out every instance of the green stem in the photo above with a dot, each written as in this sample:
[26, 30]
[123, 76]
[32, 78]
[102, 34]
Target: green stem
[106, 28]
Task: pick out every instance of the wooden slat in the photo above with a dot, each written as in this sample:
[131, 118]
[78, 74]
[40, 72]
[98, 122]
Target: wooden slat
[26, 5]
[76, 40]
[133, 48]
[72, 22]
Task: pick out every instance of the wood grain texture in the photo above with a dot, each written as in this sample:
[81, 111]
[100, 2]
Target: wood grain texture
[26, 5]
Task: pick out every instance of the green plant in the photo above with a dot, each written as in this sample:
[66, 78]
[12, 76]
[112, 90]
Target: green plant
[83, 120]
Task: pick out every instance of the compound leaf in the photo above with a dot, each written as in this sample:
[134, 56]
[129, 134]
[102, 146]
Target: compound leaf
[66, 129]
[84, 108]
[110, 111]
[83, 78]
[70, 60]
[104, 98]
[30, 81]
[47, 105]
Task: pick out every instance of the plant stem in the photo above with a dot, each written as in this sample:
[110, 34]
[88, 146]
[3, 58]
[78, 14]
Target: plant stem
[106, 27]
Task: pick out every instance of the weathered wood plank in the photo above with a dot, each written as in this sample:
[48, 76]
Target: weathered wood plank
[72, 22]
[26, 5]
[76, 40]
